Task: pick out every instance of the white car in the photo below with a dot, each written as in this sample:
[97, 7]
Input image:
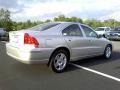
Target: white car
[56, 44]
[103, 31]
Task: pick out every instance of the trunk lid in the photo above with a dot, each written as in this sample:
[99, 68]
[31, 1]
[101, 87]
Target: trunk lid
[16, 38]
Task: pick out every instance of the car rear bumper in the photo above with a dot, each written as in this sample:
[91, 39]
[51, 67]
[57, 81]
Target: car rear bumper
[28, 56]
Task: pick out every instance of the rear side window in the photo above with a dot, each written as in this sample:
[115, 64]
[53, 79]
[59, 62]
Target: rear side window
[72, 30]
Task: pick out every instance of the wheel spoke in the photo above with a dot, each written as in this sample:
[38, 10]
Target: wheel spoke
[57, 57]
[62, 56]
[55, 63]
[61, 67]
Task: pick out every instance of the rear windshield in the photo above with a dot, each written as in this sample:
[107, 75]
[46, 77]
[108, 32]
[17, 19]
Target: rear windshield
[100, 29]
[44, 26]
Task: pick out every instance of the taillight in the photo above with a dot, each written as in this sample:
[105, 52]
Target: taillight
[30, 40]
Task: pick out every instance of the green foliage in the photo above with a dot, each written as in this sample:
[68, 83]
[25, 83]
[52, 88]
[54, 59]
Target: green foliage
[112, 23]
[93, 23]
[90, 22]
[67, 19]
[48, 20]
[5, 21]
[24, 25]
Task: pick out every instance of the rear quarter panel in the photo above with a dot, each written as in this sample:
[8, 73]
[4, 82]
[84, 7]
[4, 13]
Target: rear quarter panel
[51, 43]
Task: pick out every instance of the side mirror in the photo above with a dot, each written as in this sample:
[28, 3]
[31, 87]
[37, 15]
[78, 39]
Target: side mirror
[100, 36]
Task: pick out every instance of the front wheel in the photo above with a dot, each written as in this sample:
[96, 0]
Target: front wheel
[108, 52]
[59, 61]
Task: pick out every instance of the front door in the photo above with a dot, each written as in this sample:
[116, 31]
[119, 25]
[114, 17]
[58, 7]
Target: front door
[95, 46]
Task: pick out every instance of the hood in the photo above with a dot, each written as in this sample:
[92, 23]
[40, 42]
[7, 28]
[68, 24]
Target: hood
[100, 32]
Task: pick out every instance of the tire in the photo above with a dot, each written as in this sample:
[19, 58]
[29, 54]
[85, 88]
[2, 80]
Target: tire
[104, 36]
[108, 52]
[59, 61]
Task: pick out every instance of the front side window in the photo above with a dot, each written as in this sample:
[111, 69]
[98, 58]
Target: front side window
[72, 30]
[107, 29]
[88, 31]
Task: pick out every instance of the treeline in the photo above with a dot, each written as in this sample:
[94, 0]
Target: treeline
[91, 22]
[6, 22]
[25, 25]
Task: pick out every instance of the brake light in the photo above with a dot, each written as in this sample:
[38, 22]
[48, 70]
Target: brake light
[30, 40]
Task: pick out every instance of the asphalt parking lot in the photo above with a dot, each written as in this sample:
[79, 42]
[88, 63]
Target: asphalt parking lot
[95, 74]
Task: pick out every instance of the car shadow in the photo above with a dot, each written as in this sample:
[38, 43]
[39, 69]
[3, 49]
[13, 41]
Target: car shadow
[42, 69]
[94, 61]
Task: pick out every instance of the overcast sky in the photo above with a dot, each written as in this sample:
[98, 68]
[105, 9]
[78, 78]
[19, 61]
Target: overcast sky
[47, 9]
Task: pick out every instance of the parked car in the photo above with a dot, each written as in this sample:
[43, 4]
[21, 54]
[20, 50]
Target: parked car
[114, 34]
[4, 36]
[56, 44]
[2, 32]
[102, 30]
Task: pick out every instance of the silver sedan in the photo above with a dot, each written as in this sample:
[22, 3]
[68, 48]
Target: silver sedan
[56, 44]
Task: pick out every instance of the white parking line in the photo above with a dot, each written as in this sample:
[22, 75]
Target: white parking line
[97, 72]
[4, 41]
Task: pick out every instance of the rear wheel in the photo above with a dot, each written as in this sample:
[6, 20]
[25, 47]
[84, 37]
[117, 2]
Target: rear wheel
[59, 61]
[108, 52]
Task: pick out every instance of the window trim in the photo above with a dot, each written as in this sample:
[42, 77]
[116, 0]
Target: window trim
[76, 35]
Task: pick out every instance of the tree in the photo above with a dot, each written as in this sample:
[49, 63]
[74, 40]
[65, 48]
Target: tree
[75, 19]
[93, 23]
[111, 23]
[48, 20]
[68, 19]
[60, 18]
[5, 21]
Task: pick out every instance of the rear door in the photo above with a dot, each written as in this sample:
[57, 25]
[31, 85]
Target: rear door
[75, 40]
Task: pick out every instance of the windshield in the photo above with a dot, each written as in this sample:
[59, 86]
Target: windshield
[44, 26]
[100, 29]
[116, 29]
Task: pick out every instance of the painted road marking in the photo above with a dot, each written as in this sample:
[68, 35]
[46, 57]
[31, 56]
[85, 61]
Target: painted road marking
[3, 41]
[97, 72]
